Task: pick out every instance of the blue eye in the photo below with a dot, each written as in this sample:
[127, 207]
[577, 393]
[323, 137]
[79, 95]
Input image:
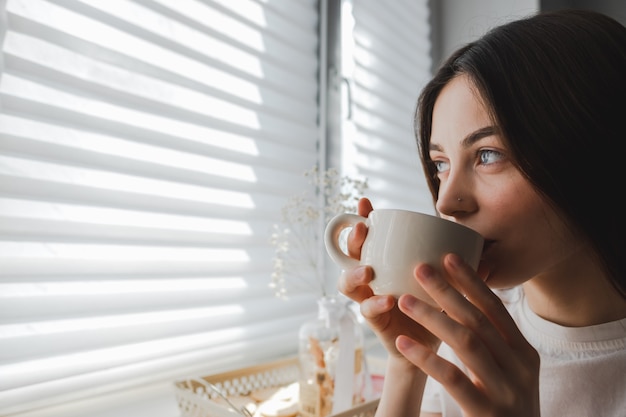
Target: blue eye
[441, 166]
[489, 156]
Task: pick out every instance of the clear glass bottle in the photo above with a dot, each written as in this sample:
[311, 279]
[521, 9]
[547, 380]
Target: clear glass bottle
[321, 341]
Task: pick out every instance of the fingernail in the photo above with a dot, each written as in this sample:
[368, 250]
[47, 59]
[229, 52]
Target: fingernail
[361, 272]
[382, 301]
[407, 301]
[455, 260]
[425, 271]
[404, 343]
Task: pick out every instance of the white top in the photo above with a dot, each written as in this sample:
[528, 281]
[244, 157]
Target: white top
[583, 369]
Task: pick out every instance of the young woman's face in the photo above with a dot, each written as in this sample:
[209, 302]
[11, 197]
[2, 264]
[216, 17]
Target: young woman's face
[482, 189]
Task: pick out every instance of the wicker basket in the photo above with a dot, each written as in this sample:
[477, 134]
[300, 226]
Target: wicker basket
[211, 396]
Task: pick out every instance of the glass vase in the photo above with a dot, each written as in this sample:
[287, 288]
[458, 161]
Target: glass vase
[332, 372]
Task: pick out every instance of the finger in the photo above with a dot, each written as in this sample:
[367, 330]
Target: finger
[485, 300]
[365, 207]
[455, 381]
[356, 237]
[473, 337]
[511, 350]
[467, 343]
[374, 306]
[354, 283]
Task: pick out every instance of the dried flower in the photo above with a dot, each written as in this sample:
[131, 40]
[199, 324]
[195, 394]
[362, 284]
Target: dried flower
[295, 237]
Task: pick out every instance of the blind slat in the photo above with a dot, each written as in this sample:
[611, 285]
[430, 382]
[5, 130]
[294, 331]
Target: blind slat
[30, 300]
[98, 269]
[40, 189]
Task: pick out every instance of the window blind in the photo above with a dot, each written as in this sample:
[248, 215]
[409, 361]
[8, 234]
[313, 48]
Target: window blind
[146, 148]
[390, 44]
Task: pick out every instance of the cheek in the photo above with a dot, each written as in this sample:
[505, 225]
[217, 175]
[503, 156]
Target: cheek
[512, 200]
[528, 209]
[517, 215]
[533, 234]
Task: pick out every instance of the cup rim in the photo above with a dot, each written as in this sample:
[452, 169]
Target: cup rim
[421, 214]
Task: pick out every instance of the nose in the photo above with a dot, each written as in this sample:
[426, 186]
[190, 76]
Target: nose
[455, 196]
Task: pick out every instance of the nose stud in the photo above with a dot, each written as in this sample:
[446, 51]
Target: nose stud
[459, 199]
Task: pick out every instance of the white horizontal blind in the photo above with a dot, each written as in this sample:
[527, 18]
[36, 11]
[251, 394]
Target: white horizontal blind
[146, 148]
[391, 53]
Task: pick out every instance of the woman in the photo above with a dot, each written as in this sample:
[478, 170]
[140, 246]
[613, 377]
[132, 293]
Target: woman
[518, 134]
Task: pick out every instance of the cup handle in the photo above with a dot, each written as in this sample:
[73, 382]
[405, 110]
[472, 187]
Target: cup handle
[331, 238]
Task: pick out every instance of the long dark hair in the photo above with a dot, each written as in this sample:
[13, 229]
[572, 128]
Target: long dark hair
[555, 85]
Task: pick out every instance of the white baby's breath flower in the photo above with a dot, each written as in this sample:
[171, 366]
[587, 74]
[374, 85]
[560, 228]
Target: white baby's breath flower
[295, 237]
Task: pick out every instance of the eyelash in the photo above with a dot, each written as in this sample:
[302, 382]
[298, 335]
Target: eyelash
[480, 155]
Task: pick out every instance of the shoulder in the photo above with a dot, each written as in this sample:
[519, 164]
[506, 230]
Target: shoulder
[565, 344]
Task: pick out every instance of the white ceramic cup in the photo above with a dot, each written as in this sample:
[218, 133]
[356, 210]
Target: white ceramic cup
[397, 241]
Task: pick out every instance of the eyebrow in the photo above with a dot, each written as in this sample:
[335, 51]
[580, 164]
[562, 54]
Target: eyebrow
[472, 138]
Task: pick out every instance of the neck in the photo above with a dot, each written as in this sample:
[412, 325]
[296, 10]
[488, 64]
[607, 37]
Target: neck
[575, 293]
